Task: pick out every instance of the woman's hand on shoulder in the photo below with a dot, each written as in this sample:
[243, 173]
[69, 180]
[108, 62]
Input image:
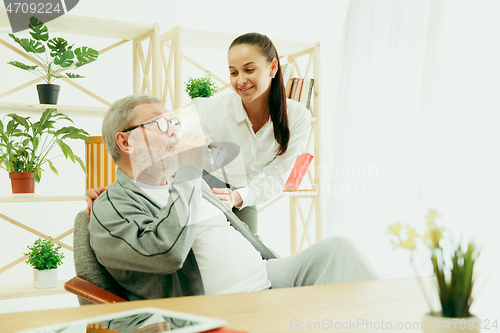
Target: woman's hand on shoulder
[93, 194]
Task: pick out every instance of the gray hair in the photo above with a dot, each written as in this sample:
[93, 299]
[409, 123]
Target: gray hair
[119, 117]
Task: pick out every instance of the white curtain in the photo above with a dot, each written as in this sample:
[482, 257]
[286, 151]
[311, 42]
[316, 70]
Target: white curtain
[389, 74]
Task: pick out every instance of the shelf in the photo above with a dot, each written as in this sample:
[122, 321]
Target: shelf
[43, 198]
[20, 290]
[300, 193]
[69, 110]
[89, 26]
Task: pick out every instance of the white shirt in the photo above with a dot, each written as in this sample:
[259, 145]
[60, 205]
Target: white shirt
[226, 120]
[228, 263]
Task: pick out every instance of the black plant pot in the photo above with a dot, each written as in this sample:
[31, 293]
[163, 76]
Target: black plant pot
[48, 93]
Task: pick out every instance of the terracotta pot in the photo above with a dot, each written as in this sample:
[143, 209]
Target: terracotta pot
[23, 183]
[48, 93]
[440, 324]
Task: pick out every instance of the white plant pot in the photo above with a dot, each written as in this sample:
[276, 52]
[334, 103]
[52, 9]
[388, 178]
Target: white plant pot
[45, 279]
[439, 324]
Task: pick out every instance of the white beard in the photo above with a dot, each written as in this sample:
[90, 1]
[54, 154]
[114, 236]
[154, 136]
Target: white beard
[155, 163]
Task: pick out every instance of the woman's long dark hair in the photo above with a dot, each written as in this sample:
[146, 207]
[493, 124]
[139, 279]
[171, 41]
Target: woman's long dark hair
[277, 99]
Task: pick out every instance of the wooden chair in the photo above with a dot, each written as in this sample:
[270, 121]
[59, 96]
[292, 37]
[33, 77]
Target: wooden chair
[101, 169]
[93, 284]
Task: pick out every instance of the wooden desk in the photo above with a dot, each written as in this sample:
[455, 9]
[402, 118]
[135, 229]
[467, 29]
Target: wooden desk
[287, 310]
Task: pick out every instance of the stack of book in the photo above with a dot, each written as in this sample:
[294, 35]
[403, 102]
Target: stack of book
[297, 89]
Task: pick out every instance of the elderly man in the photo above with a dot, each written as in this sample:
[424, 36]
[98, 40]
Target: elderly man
[160, 231]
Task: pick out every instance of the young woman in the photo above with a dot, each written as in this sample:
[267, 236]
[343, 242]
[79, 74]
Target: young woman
[268, 128]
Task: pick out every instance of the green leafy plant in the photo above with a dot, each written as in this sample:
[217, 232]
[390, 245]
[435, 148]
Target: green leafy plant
[455, 287]
[24, 146]
[44, 255]
[201, 87]
[51, 55]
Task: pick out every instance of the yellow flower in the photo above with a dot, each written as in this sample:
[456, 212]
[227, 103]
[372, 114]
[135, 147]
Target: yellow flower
[410, 235]
[434, 233]
[408, 244]
[433, 236]
[395, 229]
[432, 215]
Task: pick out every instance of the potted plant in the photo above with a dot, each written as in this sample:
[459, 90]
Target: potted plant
[44, 257]
[24, 146]
[201, 87]
[453, 265]
[51, 56]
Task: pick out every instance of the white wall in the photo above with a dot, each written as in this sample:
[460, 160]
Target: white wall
[289, 20]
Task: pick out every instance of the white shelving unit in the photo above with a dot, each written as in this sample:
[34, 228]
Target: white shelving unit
[145, 77]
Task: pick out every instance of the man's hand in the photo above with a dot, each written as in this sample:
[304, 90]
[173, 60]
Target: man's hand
[92, 194]
[192, 147]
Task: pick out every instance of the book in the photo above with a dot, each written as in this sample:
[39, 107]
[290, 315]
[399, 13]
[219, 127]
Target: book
[298, 91]
[310, 95]
[299, 170]
[293, 88]
[286, 69]
[306, 94]
[288, 88]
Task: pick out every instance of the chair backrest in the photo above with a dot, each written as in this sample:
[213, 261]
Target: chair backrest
[86, 264]
[101, 170]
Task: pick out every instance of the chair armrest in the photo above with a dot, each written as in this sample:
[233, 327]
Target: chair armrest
[90, 291]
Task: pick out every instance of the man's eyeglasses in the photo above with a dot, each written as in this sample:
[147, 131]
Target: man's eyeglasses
[162, 123]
